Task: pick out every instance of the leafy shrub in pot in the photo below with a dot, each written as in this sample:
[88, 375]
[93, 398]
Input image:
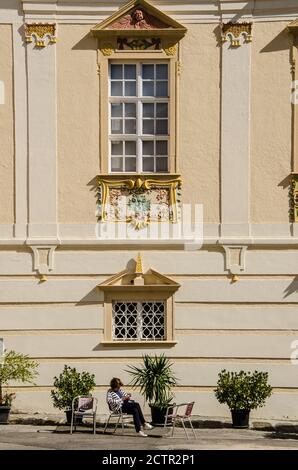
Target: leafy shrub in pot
[242, 392]
[68, 385]
[15, 367]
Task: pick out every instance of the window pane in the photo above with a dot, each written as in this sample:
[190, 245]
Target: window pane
[130, 71]
[117, 164]
[148, 147]
[148, 126]
[116, 71]
[117, 126]
[148, 88]
[116, 89]
[116, 110]
[117, 148]
[130, 110]
[130, 88]
[148, 163]
[162, 110]
[148, 71]
[161, 147]
[161, 71]
[148, 110]
[161, 126]
[161, 88]
[130, 148]
[130, 164]
[161, 164]
[130, 126]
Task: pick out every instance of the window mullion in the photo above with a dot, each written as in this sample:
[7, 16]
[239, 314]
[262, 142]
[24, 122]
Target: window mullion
[139, 320]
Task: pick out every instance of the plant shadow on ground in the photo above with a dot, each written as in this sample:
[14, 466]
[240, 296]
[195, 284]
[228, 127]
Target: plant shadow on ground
[282, 435]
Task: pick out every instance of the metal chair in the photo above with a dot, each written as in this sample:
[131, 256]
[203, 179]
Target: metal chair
[120, 417]
[180, 413]
[83, 407]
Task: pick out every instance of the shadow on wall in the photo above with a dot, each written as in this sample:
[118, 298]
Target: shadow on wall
[94, 296]
[292, 288]
[280, 43]
[87, 43]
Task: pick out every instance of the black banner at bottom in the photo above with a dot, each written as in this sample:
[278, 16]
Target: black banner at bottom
[145, 458]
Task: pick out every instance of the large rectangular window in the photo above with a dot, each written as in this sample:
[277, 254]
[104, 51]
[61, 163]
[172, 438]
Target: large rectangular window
[139, 117]
[138, 321]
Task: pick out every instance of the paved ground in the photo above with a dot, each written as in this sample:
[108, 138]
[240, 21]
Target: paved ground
[28, 437]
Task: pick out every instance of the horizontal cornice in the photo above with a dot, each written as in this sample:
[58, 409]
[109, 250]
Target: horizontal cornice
[191, 11]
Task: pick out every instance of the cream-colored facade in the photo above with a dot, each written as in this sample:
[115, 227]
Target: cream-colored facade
[233, 146]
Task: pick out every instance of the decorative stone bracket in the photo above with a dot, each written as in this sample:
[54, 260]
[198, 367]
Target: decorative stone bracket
[234, 31]
[43, 259]
[235, 258]
[41, 34]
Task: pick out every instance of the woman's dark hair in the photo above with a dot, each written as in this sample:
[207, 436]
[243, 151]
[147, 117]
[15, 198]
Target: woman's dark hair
[115, 383]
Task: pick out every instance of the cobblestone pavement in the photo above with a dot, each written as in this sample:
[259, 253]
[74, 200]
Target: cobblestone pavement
[28, 437]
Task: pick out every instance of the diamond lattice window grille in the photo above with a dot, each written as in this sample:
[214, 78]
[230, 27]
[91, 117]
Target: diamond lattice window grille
[139, 321]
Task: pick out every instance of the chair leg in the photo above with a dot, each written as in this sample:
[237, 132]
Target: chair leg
[94, 424]
[194, 433]
[182, 421]
[174, 424]
[117, 423]
[71, 423]
[122, 423]
[106, 425]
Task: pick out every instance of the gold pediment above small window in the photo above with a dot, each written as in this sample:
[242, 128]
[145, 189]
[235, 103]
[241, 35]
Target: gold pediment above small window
[139, 22]
[135, 278]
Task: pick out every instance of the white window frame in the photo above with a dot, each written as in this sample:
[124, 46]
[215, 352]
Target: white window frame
[139, 327]
[139, 99]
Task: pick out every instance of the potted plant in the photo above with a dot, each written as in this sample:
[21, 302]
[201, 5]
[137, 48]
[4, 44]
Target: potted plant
[155, 379]
[17, 367]
[242, 392]
[68, 385]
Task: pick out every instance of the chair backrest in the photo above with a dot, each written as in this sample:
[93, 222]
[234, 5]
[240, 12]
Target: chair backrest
[188, 409]
[85, 403]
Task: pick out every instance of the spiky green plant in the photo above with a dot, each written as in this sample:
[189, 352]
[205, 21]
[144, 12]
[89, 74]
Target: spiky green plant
[155, 379]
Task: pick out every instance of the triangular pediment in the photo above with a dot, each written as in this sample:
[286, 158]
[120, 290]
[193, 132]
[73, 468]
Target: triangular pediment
[137, 17]
[136, 279]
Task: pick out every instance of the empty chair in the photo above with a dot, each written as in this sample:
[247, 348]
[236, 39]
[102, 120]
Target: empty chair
[180, 413]
[83, 407]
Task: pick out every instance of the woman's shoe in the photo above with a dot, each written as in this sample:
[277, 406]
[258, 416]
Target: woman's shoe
[142, 434]
[147, 426]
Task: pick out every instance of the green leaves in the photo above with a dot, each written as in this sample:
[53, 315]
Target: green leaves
[155, 379]
[243, 390]
[17, 367]
[70, 384]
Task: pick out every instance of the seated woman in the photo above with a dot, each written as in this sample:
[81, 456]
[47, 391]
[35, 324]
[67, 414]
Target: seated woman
[118, 400]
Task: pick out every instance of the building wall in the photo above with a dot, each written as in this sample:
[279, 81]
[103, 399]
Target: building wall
[77, 123]
[6, 128]
[271, 123]
[249, 324]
